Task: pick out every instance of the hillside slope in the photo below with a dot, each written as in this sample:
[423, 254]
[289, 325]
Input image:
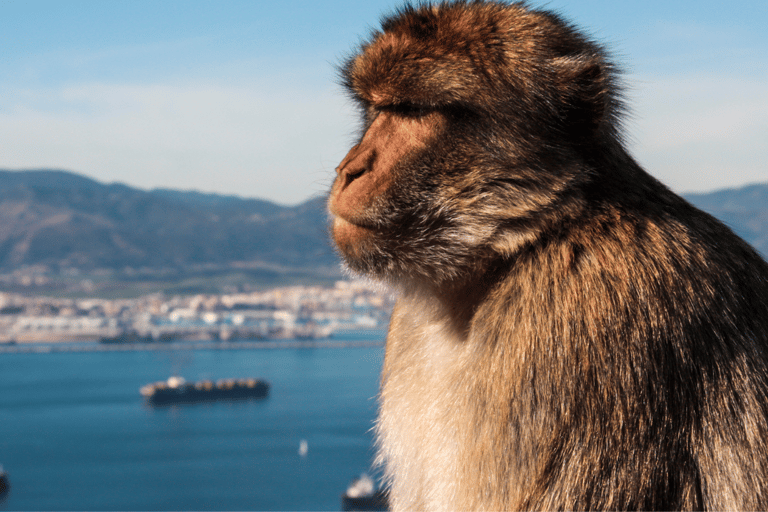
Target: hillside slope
[745, 210]
[64, 220]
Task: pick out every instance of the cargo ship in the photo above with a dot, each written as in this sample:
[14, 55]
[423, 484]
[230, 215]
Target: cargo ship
[176, 390]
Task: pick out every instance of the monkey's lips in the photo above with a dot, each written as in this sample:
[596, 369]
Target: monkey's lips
[340, 224]
[349, 235]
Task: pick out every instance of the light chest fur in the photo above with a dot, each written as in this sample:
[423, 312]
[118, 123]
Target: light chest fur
[422, 423]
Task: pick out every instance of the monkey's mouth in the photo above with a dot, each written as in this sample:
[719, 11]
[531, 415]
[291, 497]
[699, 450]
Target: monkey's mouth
[340, 222]
[349, 235]
[342, 219]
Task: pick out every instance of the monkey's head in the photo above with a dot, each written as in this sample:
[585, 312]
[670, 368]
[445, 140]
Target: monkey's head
[481, 125]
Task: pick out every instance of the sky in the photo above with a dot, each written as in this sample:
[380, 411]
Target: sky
[241, 97]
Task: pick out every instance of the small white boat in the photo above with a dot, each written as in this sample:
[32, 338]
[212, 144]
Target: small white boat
[362, 494]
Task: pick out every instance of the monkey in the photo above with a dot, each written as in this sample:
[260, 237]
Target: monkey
[569, 333]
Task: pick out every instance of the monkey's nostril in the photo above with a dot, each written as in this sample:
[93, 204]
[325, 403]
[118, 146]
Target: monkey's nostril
[355, 172]
[356, 163]
[352, 171]
[349, 177]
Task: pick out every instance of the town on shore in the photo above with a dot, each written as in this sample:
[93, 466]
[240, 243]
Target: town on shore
[296, 312]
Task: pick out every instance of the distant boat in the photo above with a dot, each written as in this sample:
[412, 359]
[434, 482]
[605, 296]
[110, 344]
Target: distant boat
[303, 448]
[177, 390]
[363, 495]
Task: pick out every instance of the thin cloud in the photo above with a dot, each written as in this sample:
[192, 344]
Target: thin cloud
[700, 132]
[205, 137]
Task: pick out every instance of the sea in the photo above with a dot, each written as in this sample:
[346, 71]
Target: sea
[75, 434]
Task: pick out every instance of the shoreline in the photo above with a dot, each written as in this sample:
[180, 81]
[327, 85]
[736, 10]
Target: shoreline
[68, 347]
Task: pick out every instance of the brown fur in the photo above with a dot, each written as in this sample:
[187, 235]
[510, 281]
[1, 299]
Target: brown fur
[570, 333]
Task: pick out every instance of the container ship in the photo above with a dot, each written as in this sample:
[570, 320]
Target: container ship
[176, 390]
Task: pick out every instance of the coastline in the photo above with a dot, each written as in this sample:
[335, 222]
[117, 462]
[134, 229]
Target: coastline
[91, 346]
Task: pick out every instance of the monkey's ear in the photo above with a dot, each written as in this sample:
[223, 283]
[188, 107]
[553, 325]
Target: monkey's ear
[584, 84]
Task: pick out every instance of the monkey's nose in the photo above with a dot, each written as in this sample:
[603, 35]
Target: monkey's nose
[356, 163]
[352, 172]
[345, 163]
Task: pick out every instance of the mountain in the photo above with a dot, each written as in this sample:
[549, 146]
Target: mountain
[744, 210]
[60, 221]
[63, 221]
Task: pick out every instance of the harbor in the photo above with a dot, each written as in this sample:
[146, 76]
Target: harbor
[283, 313]
[377, 340]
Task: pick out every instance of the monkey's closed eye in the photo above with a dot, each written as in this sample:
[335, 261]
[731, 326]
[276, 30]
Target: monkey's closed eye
[407, 110]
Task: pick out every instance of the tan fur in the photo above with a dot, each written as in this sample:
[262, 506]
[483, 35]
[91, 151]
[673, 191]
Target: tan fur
[570, 334]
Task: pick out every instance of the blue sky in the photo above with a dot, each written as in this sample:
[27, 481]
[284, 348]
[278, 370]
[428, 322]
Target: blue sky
[239, 97]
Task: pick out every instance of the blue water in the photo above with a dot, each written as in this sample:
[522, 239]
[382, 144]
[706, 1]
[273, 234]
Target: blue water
[76, 435]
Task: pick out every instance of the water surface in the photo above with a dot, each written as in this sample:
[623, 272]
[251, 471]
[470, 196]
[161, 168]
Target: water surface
[76, 435]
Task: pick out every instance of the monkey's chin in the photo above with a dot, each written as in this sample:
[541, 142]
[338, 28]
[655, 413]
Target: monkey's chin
[351, 239]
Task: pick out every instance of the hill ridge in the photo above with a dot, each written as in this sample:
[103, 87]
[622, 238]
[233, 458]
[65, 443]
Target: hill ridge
[61, 219]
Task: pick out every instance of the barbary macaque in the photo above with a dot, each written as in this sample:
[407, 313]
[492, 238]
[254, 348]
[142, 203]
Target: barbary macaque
[569, 333]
